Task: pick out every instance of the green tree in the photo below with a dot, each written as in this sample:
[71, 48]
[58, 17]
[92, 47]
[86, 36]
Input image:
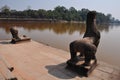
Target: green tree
[5, 11]
[42, 13]
[83, 14]
[59, 13]
[108, 17]
[72, 13]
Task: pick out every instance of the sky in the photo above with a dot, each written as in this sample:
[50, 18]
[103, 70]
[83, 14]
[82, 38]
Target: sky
[104, 6]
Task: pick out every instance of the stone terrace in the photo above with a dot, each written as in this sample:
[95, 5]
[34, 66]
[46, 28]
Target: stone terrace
[35, 61]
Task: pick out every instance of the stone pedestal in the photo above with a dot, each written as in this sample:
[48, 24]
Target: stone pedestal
[23, 38]
[80, 68]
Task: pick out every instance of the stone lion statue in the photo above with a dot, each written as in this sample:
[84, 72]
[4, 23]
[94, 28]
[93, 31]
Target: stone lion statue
[14, 33]
[88, 45]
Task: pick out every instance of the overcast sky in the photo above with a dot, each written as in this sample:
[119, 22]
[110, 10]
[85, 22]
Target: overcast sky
[104, 6]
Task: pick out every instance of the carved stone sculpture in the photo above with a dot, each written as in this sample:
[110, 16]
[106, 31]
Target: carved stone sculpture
[14, 33]
[16, 37]
[88, 45]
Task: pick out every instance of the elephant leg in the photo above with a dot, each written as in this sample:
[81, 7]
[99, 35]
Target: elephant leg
[73, 53]
[87, 57]
[90, 54]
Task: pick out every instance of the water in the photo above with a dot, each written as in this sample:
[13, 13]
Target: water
[59, 35]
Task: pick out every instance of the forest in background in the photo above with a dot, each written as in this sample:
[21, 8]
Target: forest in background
[60, 13]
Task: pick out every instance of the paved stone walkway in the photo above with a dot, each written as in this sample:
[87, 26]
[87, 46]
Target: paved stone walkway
[36, 61]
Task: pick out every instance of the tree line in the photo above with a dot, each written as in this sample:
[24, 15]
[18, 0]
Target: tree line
[59, 13]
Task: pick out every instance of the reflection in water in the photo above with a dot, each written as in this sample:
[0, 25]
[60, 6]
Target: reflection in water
[59, 35]
[58, 28]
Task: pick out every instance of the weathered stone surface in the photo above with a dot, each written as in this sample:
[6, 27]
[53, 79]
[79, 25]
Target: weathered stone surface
[35, 61]
[5, 72]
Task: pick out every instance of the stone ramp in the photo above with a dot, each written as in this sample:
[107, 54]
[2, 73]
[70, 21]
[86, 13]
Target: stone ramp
[36, 61]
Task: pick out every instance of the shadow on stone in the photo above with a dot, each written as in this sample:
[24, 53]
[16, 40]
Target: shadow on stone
[61, 71]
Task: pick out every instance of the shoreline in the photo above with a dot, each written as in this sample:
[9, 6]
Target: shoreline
[38, 19]
[51, 21]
